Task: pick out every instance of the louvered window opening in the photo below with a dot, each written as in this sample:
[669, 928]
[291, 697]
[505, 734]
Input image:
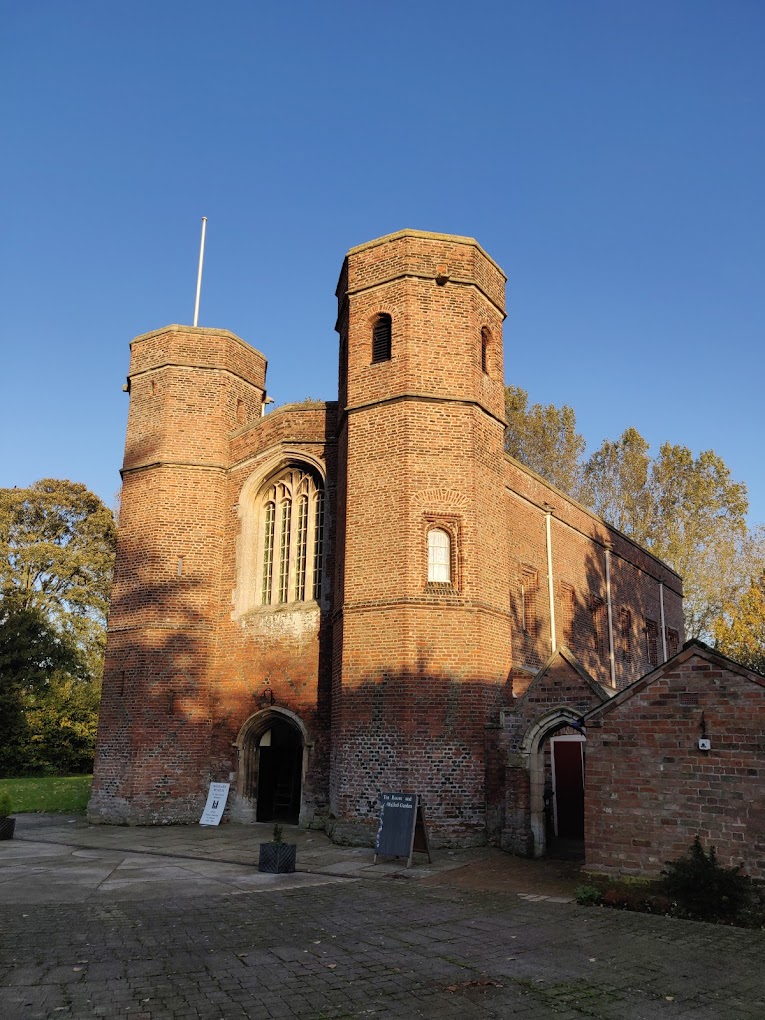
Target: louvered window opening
[381, 338]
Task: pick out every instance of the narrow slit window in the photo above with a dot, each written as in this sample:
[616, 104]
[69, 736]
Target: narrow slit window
[381, 338]
[652, 642]
[528, 602]
[439, 556]
[485, 342]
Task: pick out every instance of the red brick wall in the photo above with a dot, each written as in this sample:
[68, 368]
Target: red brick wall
[419, 669]
[189, 388]
[579, 541]
[396, 683]
[650, 791]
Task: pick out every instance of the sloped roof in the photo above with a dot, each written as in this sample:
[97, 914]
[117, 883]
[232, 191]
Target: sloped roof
[688, 651]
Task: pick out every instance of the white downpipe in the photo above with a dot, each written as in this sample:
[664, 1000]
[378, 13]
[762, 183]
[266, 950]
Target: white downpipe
[550, 583]
[611, 661]
[663, 628]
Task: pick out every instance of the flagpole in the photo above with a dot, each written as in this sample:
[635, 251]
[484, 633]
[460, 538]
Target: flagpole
[199, 274]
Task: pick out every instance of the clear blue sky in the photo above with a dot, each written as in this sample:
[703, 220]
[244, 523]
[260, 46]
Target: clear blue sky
[609, 154]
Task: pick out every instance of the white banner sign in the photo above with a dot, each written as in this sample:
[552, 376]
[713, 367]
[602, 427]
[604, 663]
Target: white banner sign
[216, 802]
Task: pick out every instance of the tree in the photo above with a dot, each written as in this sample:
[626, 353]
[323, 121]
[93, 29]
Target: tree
[56, 555]
[740, 631]
[616, 483]
[686, 510]
[699, 528]
[544, 438]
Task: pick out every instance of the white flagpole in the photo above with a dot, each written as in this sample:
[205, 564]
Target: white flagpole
[199, 274]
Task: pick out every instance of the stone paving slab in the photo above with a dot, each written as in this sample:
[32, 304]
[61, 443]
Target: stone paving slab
[91, 927]
[239, 844]
[369, 949]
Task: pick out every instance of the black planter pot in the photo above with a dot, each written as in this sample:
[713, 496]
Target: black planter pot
[277, 858]
[7, 825]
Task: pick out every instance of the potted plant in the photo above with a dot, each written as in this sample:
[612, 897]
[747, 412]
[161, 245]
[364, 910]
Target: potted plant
[277, 857]
[7, 824]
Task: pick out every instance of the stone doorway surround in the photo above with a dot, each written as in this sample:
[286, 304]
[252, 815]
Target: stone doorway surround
[244, 806]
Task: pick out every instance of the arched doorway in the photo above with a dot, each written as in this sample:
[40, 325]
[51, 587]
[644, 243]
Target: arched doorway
[567, 780]
[272, 761]
[554, 752]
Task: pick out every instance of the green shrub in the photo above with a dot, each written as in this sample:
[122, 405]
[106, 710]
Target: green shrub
[277, 837]
[704, 889]
[587, 895]
[5, 803]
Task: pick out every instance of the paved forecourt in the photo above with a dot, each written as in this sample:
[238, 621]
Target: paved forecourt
[103, 932]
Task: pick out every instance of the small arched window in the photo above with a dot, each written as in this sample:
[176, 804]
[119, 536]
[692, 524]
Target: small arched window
[381, 337]
[292, 538]
[439, 556]
[485, 343]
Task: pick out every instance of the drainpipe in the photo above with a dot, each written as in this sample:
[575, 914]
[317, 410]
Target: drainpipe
[550, 585]
[663, 628]
[611, 662]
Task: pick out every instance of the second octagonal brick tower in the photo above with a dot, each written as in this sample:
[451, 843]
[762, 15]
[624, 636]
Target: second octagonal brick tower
[421, 616]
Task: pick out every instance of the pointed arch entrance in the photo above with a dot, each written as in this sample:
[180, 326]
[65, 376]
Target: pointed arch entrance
[273, 749]
[554, 752]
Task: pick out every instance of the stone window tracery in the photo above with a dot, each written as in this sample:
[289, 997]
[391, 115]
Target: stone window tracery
[291, 538]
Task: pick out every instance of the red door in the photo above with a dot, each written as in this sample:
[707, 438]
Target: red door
[568, 786]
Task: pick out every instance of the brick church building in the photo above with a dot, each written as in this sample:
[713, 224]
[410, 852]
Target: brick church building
[337, 599]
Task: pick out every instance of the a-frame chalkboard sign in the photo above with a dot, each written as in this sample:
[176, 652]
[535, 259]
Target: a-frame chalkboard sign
[402, 828]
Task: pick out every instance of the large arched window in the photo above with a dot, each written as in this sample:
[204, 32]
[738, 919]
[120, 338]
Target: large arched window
[291, 538]
[439, 556]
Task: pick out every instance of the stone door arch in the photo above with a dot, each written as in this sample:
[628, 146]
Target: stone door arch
[534, 746]
[273, 750]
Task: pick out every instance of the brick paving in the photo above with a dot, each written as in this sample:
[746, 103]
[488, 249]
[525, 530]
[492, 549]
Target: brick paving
[361, 948]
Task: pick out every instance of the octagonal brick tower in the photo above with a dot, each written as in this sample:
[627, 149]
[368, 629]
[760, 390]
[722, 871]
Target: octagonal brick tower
[422, 626]
[189, 388]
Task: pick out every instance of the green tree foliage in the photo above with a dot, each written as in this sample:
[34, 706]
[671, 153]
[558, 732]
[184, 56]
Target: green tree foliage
[56, 556]
[740, 631]
[616, 484]
[686, 510]
[544, 438]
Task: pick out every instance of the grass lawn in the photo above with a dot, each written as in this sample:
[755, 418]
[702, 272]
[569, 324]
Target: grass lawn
[67, 794]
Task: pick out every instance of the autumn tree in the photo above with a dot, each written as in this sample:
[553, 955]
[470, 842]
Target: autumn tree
[544, 438]
[740, 630]
[686, 510]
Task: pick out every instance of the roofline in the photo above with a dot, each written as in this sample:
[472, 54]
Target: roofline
[430, 235]
[689, 649]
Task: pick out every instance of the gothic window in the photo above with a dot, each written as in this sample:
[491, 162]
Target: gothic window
[381, 337]
[292, 538]
[439, 556]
